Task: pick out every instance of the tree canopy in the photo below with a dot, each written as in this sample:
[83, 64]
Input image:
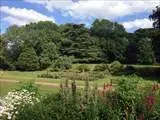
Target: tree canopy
[104, 41]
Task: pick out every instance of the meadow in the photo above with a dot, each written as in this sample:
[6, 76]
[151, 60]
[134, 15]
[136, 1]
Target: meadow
[10, 80]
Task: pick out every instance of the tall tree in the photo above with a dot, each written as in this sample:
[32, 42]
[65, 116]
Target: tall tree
[77, 42]
[145, 54]
[113, 41]
[155, 16]
[28, 60]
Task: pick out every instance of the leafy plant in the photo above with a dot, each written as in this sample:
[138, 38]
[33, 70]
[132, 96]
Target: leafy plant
[101, 67]
[115, 67]
[62, 63]
[83, 68]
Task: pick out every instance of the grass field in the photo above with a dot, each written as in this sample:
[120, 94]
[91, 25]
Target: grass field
[6, 87]
[44, 89]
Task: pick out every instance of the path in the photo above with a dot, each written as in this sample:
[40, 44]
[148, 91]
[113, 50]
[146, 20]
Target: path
[46, 83]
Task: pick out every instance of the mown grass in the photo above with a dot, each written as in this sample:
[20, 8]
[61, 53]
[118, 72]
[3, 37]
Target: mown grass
[6, 87]
[32, 76]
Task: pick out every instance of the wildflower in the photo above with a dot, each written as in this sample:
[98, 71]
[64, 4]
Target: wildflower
[150, 101]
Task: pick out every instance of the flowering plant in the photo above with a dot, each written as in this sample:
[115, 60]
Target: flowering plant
[13, 101]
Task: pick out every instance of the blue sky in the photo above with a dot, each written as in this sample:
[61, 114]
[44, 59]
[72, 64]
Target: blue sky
[132, 14]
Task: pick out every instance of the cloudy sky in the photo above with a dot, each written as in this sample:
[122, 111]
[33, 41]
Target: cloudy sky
[133, 14]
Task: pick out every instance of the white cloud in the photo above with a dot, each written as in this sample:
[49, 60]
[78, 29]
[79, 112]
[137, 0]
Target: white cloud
[138, 23]
[23, 16]
[109, 9]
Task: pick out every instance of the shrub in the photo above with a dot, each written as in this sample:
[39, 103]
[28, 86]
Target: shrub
[83, 68]
[115, 67]
[101, 67]
[15, 101]
[5, 65]
[49, 75]
[124, 102]
[128, 70]
[90, 76]
[45, 62]
[62, 63]
[148, 71]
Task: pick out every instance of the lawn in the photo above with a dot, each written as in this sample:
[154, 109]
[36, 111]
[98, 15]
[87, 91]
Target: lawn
[6, 86]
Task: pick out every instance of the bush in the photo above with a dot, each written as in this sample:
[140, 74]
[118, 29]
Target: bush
[126, 101]
[115, 67]
[128, 70]
[4, 65]
[101, 67]
[83, 68]
[16, 101]
[49, 75]
[148, 71]
[62, 63]
[90, 76]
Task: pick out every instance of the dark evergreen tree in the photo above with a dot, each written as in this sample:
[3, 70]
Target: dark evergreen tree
[28, 60]
[78, 42]
[155, 16]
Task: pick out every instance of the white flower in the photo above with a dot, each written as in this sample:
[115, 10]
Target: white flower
[13, 100]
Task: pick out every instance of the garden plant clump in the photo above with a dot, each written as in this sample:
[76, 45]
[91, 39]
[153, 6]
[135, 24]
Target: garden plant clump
[14, 101]
[126, 101]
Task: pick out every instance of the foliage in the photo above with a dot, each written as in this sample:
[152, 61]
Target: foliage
[83, 68]
[78, 42]
[105, 41]
[90, 76]
[4, 64]
[101, 67]
[14, 101]
[62, 63]
[145, 53]
[155, 17]
[127, 101]
[115, 67]
[27, 60]
[49, 75]
[48, 56]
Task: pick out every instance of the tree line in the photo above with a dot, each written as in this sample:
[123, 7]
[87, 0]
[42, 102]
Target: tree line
[38, 45]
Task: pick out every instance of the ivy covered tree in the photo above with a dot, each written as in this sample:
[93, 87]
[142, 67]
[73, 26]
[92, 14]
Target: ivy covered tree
[27, 60]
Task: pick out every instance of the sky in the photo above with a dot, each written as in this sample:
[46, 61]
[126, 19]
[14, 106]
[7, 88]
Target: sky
[132, 14]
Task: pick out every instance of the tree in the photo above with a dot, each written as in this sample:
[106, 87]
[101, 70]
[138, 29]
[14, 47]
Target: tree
[28, 60]
[145, 54]
[112, 39]
[77, 42]
[48, 55]
[155, 16]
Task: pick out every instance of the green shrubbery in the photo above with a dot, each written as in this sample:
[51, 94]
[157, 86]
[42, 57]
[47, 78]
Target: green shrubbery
[62, 63]
[83, 68]
[101, 67]
[115, 67]
[90, 76]
[50, 75]
[127, 101]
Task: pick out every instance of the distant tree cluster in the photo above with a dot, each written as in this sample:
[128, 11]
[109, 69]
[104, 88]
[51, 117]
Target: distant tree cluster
[37, 46]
